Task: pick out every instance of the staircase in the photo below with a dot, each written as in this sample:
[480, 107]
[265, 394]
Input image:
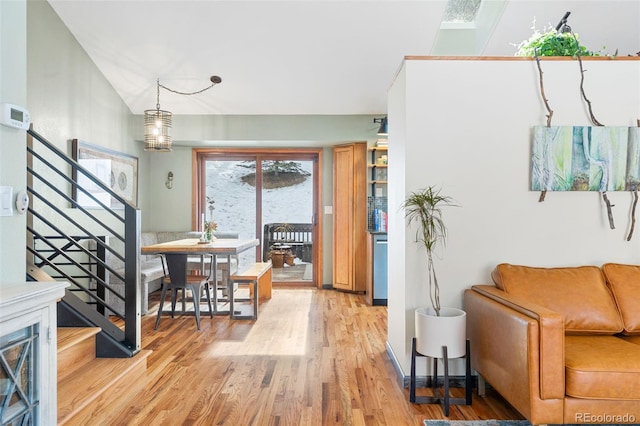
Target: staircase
[90, 388]
[69, 241]
[78, 230]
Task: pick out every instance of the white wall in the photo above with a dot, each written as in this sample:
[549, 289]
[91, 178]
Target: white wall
[68, 96]
[266, 130]
[465, 125]
[13, 89]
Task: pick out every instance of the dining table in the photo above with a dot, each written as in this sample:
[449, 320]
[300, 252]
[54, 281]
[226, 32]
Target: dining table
[218, 248]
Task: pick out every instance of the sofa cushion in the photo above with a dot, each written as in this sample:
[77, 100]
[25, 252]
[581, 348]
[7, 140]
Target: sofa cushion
[148, 239]
[635, 338]
[579, 294]
[165, 236]
[151, 270]
[602, 367]
[624, 281]
[195, 263]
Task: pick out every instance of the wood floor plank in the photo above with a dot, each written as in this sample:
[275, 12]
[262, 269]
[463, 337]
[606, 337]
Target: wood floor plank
[314, 357]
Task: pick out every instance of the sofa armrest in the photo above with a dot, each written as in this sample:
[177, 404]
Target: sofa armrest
[517, 346]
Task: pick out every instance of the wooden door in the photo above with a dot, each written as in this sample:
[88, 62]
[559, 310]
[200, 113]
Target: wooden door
[349, 217]
[343, 217]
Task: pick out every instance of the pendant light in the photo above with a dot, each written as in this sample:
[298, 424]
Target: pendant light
[157, 122]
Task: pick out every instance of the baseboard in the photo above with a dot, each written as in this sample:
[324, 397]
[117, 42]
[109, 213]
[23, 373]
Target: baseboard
[396, 365]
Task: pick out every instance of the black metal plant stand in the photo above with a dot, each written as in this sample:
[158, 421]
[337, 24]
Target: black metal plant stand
[443, 398]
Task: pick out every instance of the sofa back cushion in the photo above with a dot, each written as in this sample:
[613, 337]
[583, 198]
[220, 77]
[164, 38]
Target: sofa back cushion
[148, 239]
[624, 282]
[579, 294]
[165, 236]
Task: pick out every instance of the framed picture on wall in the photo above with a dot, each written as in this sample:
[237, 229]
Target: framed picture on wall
[115, 169]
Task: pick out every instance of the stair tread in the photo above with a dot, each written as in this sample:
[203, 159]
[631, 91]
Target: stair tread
[69, 336]
[81, 387]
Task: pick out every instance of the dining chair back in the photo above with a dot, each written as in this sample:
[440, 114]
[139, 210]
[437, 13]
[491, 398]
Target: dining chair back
[180, 279]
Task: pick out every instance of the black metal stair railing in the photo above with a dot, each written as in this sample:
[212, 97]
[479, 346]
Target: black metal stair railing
[95, 250]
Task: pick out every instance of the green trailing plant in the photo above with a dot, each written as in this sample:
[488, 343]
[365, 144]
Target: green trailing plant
[424, 207]
[553, 43]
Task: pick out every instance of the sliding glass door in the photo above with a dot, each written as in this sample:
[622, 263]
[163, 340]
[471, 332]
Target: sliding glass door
[270, 195]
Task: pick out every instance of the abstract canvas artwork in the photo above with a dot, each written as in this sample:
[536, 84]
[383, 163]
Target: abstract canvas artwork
[585, 158]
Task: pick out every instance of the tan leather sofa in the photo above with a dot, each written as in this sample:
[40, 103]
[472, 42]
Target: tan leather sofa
[561, 345]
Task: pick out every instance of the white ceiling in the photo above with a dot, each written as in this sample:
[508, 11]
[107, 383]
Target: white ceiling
[299, 56]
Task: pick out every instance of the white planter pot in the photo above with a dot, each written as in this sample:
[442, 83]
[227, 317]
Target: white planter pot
[433, 332]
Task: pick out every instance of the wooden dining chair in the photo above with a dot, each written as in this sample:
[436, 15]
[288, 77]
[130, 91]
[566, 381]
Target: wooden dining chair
[180, 279]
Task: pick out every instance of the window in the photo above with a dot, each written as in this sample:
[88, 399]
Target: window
[461, 10]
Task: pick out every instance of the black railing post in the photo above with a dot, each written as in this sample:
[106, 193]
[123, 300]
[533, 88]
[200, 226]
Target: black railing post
[132, 277]
[101, 272]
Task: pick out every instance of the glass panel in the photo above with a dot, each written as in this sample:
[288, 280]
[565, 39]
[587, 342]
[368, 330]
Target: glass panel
[249, 193]
[17, 376]
[287, 212]
[461, 10]
[231, 199]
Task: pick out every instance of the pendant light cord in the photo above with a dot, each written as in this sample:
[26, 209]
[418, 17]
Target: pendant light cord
[158, 95]
[214, 80]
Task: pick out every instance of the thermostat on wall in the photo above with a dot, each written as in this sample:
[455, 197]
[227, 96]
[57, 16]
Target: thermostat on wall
[15, 116]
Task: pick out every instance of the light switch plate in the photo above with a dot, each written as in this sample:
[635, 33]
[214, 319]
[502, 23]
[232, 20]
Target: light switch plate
[6, 201]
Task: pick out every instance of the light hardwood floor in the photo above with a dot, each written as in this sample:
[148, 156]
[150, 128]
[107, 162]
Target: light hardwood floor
[314, 357]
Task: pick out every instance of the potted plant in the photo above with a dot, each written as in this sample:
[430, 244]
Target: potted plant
[209, 228]
[551, 41]
[277, 254]
[436, 326]
[280, 253]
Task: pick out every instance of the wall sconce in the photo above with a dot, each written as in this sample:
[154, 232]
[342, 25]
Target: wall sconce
[157, 123]
[383, 130]
[169, 182]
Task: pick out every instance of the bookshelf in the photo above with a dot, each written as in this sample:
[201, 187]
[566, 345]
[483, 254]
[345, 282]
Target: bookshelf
[377, 201]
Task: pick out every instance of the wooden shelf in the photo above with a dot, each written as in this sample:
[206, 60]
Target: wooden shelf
[383, 182]
[378, 148]
[377, 165]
